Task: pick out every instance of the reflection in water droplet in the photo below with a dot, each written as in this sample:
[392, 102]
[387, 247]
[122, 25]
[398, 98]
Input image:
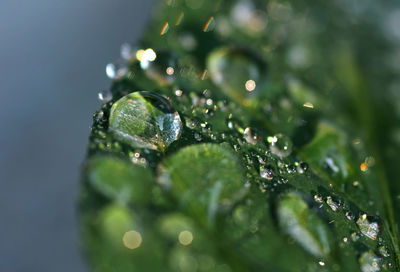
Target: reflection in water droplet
[280, 145]
[144, 119]
[117, 70]
[237, 71]
[369, 262]
[369, 229]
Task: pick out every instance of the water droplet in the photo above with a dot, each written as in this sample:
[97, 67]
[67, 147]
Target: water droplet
[303, 224]
[244, 15]
[251, 136]
[105, 96]
[266, 173]
[236, 71]
[318, 199]
[144, 119]
[280, 145]
[127, 52]
[349, 215]
[302, 167]
[369, 229]
[117, 70]
[383, 251]
[332, 204]
[369, 262]
[160, 66]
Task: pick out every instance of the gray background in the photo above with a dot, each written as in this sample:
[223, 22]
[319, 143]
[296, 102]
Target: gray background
[52, 65]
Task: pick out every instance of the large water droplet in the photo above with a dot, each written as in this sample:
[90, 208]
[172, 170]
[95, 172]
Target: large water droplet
[303, 224]
[119, 179]
[369, 262]
[369, 229]
[144, 119]
[280, 145]
[236, 71]
[204, 178]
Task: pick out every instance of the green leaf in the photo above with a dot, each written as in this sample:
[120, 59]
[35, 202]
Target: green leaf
[226, 165]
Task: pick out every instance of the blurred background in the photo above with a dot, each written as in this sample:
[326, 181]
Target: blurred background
[53, 56]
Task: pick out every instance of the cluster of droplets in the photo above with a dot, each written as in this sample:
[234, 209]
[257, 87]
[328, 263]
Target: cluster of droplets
[144, 125]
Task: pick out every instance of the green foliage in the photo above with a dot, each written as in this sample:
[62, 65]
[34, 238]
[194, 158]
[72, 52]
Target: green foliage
[249, 136]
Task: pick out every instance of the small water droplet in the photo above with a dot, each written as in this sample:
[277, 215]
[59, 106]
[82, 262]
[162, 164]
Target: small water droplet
[144, 119]
[280, 145]
[369, 262]
[302, 167]
[332, 204]
[318, 199]
[104, 96]
[127, 52]
[117, 70]
[369, 229]
[251, 136]
[383, 251]
[266, 173]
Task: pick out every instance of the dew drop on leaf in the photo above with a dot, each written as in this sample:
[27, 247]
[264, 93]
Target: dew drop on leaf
[236, 71]
[280, 145]
[104, 96]
[160, 66]
[144, 119]
[266, 173]
[369, 262]
[251, 135]
[368, 228]
[117, 70]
